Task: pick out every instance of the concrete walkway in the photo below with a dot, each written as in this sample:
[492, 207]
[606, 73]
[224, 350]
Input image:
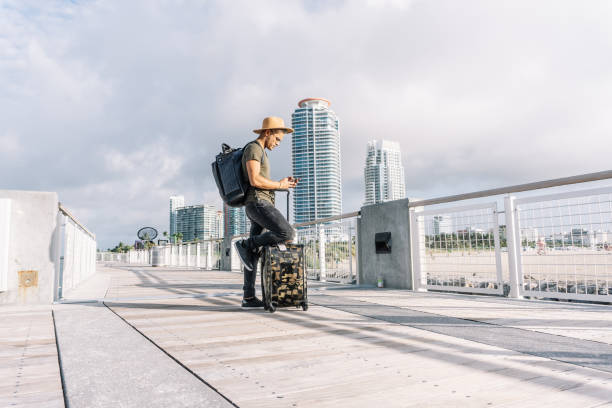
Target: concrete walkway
[162, 337]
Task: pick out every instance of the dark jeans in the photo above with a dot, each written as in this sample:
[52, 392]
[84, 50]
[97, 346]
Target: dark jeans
[264, 215]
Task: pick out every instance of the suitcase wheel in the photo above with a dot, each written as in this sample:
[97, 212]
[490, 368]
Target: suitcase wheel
[304, 306]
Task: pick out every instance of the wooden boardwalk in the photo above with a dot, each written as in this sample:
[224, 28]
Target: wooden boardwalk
[359, 347]
[29, 368]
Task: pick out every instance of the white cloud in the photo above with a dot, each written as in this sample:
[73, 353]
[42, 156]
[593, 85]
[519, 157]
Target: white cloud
[120, 104]
[9, 144]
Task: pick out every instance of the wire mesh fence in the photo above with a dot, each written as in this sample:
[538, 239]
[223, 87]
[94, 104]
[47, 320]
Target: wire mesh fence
[554, 246]
[337, 240]
[459, 249]
[566, 245]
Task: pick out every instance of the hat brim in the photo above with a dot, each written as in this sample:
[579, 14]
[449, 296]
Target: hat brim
[286, 130]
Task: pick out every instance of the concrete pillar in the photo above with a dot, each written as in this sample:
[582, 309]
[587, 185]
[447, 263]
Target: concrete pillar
[226, 254]
[395, 267]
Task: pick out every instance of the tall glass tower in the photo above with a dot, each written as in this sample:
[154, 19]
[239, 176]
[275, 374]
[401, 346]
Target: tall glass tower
[383, 172]
[235, 221]
[316, 161]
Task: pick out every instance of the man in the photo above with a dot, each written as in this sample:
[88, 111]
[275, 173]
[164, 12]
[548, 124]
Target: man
[259, 205]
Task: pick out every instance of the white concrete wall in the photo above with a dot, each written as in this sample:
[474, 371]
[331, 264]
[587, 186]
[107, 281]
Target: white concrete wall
[79, 250]
[28, 246]
[5, 229]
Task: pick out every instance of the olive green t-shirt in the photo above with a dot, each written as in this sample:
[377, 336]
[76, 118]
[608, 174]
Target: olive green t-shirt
[254, 151]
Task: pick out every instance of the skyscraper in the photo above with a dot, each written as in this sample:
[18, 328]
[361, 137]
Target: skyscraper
[383, 173]
[235, 221]
[219, 230]
[175, 202]
[442, 224]
[316, 161]
[198, 222]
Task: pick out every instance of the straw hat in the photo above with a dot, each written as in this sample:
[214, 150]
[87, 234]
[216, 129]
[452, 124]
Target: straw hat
[273, 123]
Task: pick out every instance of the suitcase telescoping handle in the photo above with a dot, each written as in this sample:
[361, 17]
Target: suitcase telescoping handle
[288, 195]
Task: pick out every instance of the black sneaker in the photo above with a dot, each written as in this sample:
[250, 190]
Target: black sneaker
[252, 302]
[245, 254]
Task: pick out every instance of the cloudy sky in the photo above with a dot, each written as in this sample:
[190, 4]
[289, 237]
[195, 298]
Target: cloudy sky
[117, 105]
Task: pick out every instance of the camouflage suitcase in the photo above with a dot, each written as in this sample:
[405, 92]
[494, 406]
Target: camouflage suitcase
[283, 277]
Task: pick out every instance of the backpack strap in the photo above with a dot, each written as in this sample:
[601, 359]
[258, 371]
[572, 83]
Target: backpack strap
[263, 151]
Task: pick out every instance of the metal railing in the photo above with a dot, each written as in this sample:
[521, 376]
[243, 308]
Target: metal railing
[204, 254]
[459, 248]
[544, 246]
[336, 237]
[538, 244]
[564, 245]
[330, 248]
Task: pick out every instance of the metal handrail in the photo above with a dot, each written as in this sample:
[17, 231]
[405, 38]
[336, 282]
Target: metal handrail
[69, 215]
[602, 175]
[319, 221]
[305, 224]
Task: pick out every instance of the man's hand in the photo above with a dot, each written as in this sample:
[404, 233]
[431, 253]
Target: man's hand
[287, 182]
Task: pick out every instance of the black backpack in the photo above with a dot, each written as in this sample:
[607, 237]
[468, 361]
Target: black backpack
[231, 180]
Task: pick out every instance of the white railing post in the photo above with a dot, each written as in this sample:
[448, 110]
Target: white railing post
[497, 245]
[350, 249]
[209, 256]
[57, 254]
[198, 253]
[417, 249]
[188, 255]
[357, 223]
[180, 255]
[513, 243]
[322, 266]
